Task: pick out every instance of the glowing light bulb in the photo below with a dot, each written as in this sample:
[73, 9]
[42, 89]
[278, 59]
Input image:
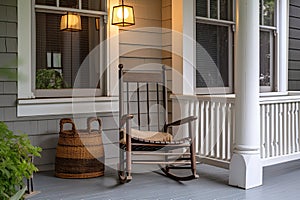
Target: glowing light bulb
[73, 20]
[120, 13]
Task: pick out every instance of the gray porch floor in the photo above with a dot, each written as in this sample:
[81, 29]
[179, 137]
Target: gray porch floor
[280, 182]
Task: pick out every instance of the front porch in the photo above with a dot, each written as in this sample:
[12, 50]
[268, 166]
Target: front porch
[280, 182]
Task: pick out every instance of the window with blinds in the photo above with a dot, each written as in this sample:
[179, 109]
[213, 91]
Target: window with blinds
[67, 59]
[214, 51]
[267, 44]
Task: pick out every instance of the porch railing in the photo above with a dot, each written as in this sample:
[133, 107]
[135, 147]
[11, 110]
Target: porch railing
[280, 129]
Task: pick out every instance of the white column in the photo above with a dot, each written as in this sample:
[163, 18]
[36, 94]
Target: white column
[245, 166]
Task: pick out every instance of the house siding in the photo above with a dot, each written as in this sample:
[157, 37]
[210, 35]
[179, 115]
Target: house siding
[43, 130]
[294, 46]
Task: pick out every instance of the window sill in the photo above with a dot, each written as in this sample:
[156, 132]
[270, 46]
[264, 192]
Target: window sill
[66, 106]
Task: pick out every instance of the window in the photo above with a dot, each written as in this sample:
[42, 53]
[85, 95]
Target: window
[71, 59]
[267, 44]
[82, 90]
[214, 51]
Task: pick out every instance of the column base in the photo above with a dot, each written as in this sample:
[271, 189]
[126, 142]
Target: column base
[245, 171]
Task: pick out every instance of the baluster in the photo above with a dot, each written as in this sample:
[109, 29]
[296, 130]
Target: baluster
[293, 141]
[212, 129]
[276, 127]
[207, 129]
[289, 130]
[224, 133]
[197, 124]
[267, 133]
[263, 132]
[228, 141]
[231, 131]
[297, 126]
[218, 130]
[272, 132]
[281, 132]
[285, 129]
[201, 127]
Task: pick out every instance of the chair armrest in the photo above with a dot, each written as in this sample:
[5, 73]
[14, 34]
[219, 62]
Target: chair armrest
[181, 121]
[124, 119]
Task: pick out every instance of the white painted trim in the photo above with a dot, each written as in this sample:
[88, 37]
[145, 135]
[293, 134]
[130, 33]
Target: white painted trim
[112, 52]
[213, 162]
[222, 97]
[279, 99]
[61, 106]
[265, 98]
[283, 45]
[54, 9]
[273, 94]
[189, 47]
[24, 49]
[280, 159]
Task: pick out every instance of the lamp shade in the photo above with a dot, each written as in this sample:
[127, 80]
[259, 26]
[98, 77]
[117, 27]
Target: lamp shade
[123, 15]
[70, 22]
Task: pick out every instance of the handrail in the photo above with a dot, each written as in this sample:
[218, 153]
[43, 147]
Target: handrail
[230, 98]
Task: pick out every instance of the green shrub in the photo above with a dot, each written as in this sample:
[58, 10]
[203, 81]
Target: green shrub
[15, 161]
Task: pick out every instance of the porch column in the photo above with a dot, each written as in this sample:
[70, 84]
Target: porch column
[245, 166]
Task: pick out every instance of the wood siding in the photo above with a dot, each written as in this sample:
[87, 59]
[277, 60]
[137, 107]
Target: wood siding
[294, 46]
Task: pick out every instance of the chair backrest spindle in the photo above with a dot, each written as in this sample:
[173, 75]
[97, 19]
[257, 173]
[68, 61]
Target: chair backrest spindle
[138, 104]
[157, 103]
[143, 81]
[148, 106]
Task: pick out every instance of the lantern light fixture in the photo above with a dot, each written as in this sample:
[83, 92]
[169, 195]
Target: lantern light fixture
[70, 22]
[123, 15]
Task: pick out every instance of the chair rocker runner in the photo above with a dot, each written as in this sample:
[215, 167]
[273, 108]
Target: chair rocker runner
[137, 125]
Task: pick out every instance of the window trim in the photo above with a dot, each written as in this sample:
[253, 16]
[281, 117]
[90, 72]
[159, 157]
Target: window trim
[25, 58]
[273, 49]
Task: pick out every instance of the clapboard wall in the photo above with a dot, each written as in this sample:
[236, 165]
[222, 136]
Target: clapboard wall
[43, 131]
[294, 45]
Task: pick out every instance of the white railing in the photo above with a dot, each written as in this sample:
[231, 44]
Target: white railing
[214, 128]
[280, 129]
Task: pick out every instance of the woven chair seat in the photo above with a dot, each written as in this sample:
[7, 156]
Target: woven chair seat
[149, 136]
[157, 139]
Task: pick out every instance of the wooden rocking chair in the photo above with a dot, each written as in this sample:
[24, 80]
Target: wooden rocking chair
[137, 131]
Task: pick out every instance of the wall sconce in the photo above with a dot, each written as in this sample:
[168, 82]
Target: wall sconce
[70, 22]
[123, 15]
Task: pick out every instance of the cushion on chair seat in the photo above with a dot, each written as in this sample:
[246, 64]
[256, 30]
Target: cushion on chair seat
[150, 136]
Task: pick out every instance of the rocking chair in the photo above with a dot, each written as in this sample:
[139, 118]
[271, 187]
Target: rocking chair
[140, 135]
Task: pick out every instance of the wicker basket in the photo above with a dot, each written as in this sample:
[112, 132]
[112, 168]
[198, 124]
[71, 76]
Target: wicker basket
[79, 153]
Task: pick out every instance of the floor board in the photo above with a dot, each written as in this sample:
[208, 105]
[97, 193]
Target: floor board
[280, 182]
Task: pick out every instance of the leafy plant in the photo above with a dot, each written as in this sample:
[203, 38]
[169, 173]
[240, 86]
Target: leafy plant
[49, 79]
[15, 161]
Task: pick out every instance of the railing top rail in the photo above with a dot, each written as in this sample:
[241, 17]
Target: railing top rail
[230, 98]
[280, 99]
[226, 98]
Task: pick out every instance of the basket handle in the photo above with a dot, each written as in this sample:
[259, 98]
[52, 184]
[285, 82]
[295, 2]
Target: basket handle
[91, 120]
[67, 121]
